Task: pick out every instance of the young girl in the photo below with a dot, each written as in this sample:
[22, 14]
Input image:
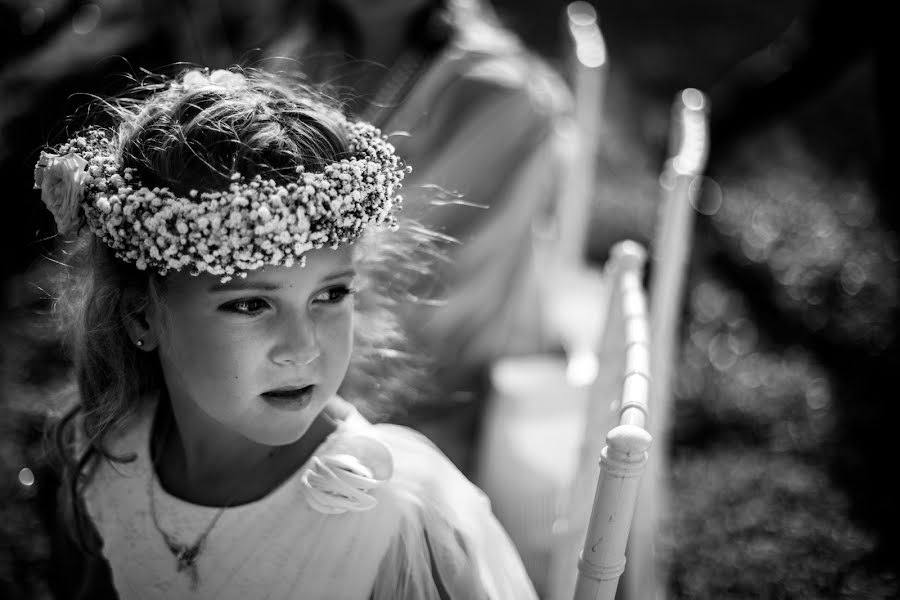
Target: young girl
[228, 219]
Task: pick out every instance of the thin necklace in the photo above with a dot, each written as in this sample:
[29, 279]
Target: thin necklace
[186, 555]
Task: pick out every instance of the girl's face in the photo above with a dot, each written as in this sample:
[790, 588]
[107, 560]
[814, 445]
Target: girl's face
[259, 356]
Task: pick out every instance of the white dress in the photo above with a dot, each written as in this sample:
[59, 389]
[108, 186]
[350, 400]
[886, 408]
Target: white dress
[415, 529]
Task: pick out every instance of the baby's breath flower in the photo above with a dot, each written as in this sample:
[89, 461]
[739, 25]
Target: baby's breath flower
[256, 222]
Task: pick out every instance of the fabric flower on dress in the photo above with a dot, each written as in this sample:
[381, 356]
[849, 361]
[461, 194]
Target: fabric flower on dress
[345, 479]
[61, 180]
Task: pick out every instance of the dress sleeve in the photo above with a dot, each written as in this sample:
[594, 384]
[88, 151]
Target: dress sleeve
[448, 546]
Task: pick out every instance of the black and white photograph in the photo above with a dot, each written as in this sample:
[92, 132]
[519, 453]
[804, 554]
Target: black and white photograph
[449, 300]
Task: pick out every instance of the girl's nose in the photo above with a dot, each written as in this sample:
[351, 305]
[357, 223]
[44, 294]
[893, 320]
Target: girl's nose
[297, 343]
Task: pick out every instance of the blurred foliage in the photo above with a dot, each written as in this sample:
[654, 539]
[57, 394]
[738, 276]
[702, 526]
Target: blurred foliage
[756, 524]
[817, 234]
[797, 290]
[733, 388]
[26, 555]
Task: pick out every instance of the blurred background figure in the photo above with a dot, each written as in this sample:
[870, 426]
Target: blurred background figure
[481, 120]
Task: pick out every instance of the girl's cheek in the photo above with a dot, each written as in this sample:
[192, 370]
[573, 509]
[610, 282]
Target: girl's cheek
[186, 336]
[340, 324]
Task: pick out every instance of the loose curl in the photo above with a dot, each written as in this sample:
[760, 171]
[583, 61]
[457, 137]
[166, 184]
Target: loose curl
[187, 139]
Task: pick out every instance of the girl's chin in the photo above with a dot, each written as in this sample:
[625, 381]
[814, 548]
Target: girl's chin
[276, 428]
[280, 435]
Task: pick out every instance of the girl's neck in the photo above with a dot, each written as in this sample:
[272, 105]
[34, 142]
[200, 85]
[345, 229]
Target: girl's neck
[231, 474]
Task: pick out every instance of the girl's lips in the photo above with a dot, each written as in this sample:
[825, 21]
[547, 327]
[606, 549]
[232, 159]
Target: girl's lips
[289, 398]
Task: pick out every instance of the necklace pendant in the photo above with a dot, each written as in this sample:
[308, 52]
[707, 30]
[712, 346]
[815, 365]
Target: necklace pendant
[186, 560]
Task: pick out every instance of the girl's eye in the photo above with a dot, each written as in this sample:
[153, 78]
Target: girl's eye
[334, 295]
[249, 306]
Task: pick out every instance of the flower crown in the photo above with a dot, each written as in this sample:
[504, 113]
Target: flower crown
[255, 222]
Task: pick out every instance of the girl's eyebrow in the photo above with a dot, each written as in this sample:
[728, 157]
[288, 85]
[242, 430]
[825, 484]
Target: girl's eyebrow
[341, 274]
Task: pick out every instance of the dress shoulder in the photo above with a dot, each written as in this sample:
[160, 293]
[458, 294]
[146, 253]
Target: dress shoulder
[447, 544]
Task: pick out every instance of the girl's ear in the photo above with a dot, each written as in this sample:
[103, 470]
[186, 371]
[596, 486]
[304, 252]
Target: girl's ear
[141, 322]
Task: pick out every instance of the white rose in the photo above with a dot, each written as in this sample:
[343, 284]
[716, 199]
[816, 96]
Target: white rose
[61, 181]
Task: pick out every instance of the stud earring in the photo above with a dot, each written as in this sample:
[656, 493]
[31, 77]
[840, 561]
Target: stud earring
[139, 343]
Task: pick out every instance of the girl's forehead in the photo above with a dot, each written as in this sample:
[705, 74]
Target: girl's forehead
[319, 265]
